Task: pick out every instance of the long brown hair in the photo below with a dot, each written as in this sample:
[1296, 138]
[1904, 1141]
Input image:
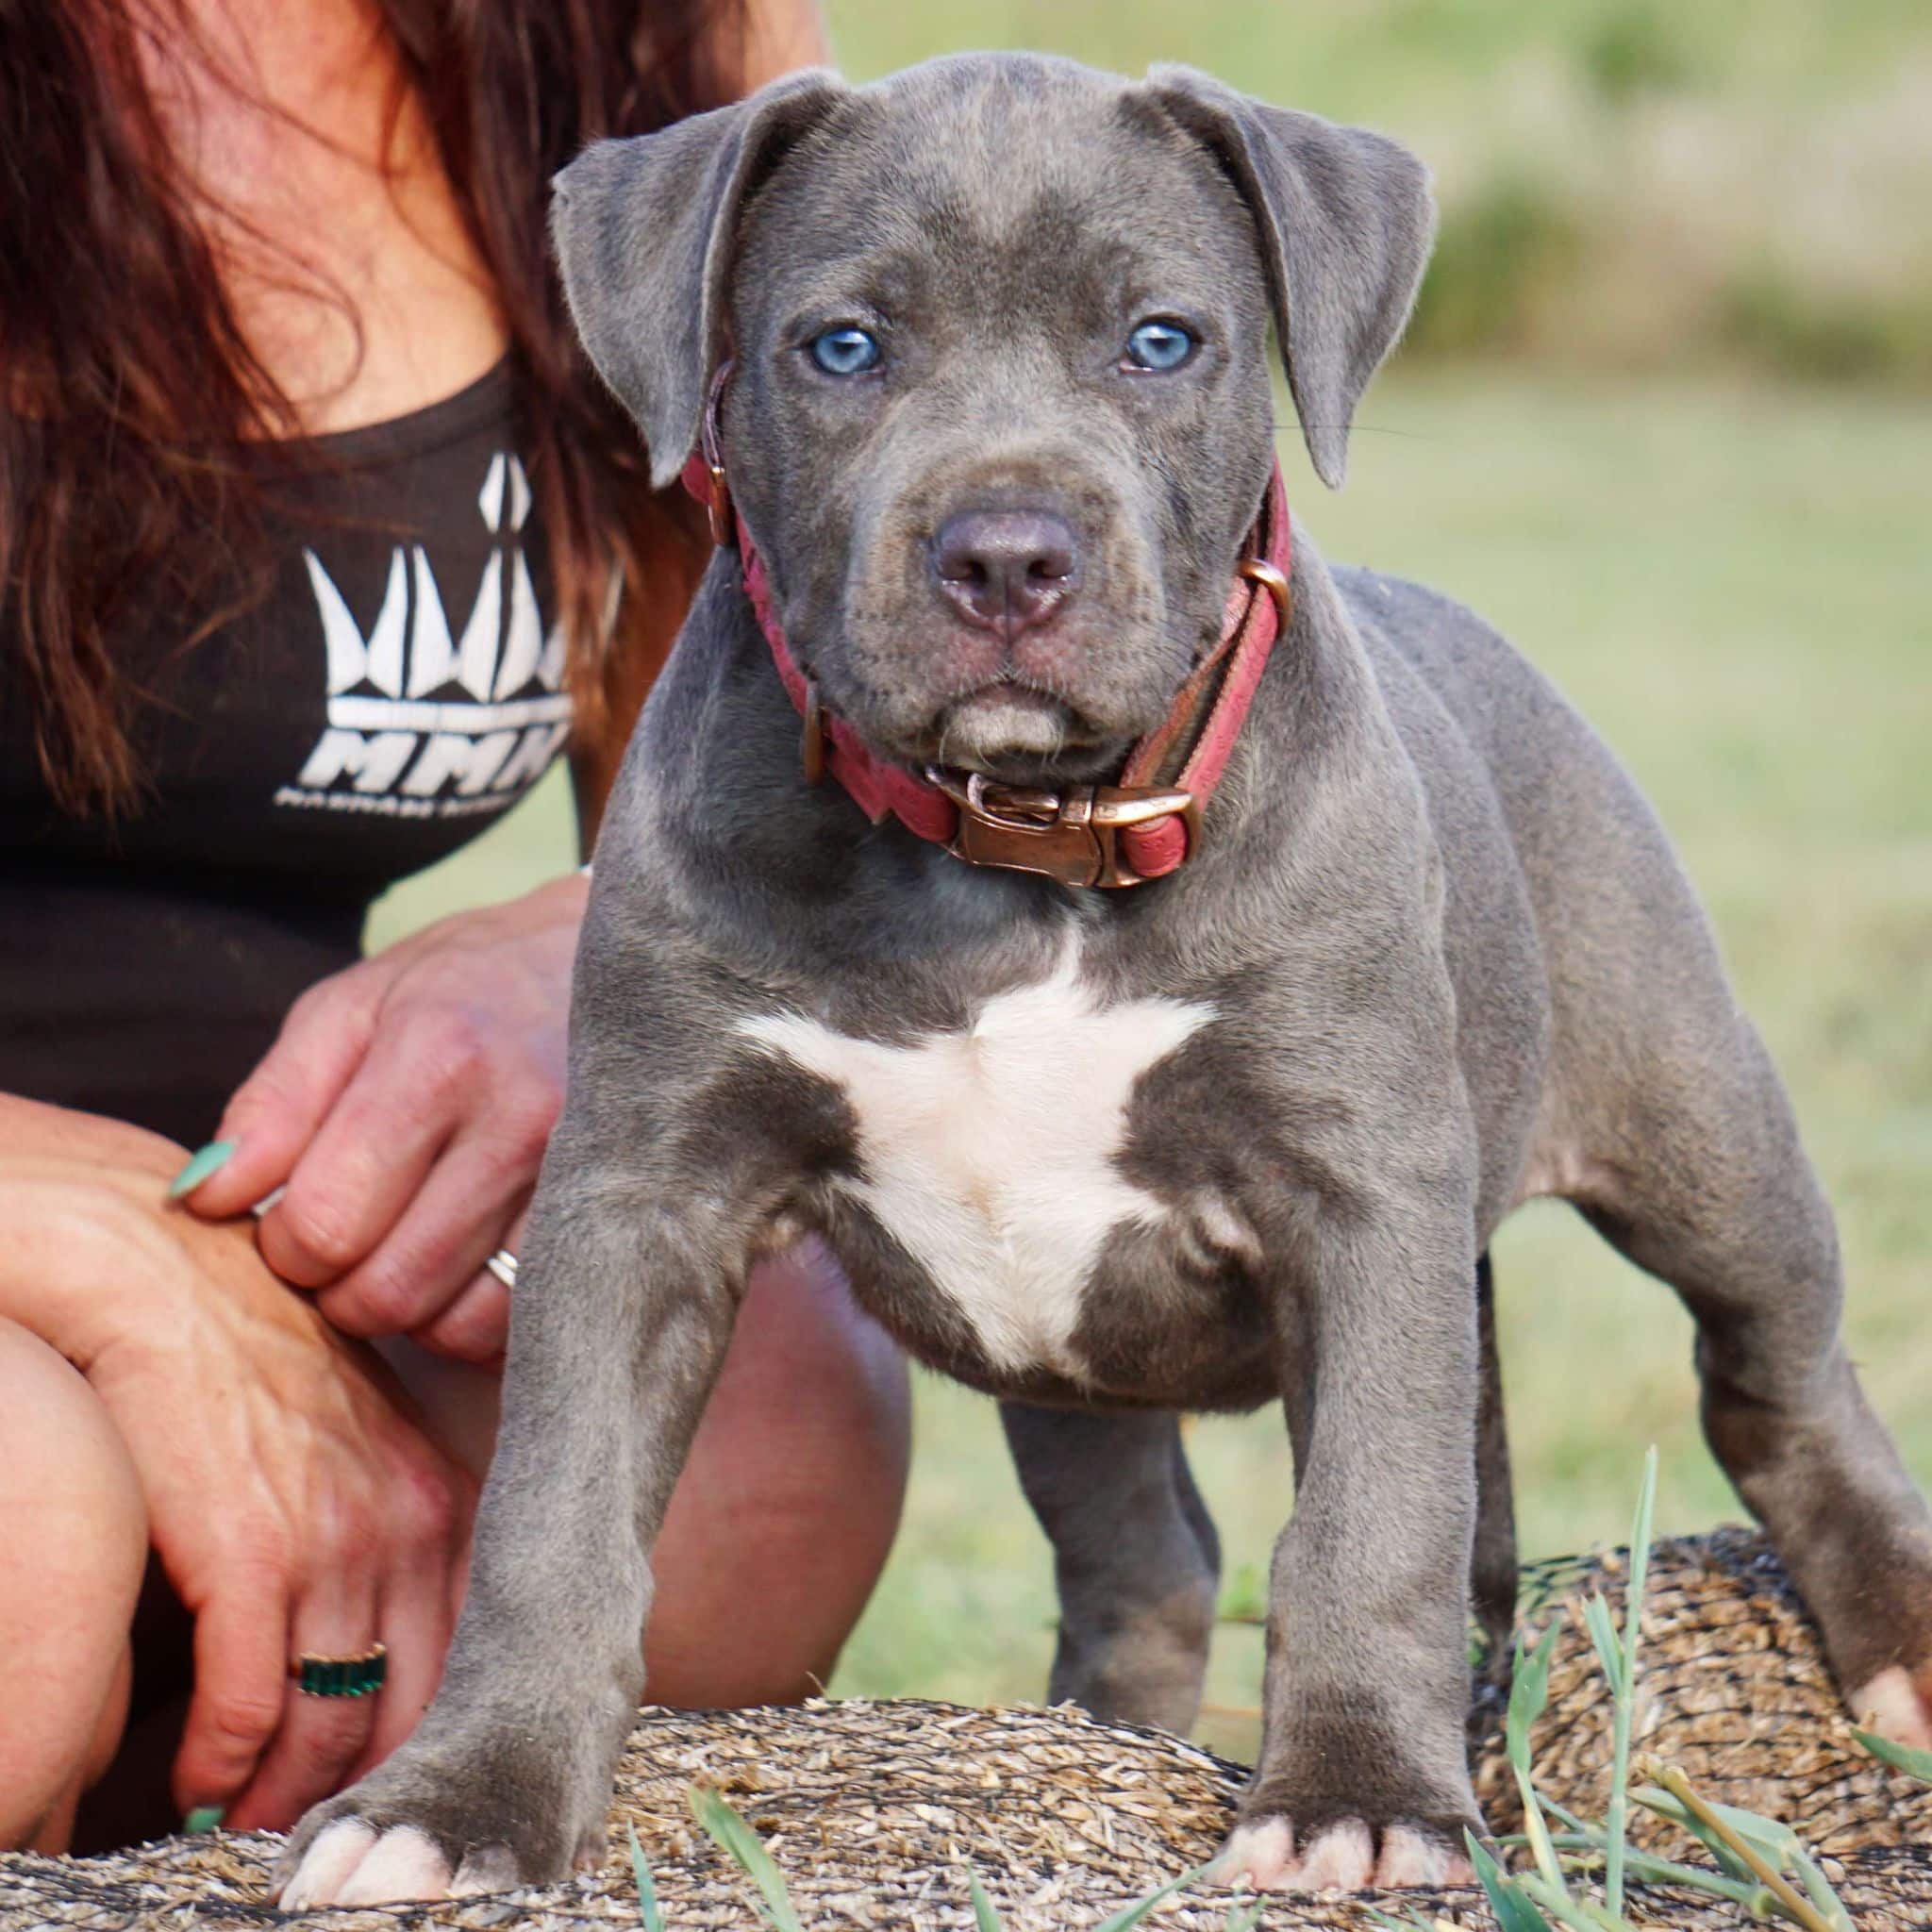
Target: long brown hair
[129, 399]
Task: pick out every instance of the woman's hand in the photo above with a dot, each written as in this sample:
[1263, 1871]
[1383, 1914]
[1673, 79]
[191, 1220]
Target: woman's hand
[405, 1110]
[292, 1497]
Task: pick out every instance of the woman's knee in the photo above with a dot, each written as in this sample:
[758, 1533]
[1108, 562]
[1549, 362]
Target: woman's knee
[71, 1554]
[785, 1511]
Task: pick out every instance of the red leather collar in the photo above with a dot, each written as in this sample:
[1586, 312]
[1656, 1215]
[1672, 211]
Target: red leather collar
[1142, 827]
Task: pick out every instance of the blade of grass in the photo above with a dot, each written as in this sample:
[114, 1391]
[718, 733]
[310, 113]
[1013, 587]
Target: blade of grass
[983, 1914]
[1775, 1842]
[1133, 1914]
[1819, 1889]
[1579, 1914]
[1793, 1903]
[1732, 1837]
[1727, 1860]
[740, 1842]
[1623, 1682]
[1903, 1757]
[647, 1891]
[1566, 1817]
[1602, 1633]
[1529, 1691]
[1508, 1900]
[1245, 1918]
[1646, 1868]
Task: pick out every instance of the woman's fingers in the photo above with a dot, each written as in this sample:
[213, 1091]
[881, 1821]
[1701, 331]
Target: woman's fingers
[444, 1052]
[319, 1738]
[474, 1327]
[367, 1159]
[240, 1683]
[458, 1217]
[273, 1114]
[392, 1574]
[408, 1185]
[418, 1611]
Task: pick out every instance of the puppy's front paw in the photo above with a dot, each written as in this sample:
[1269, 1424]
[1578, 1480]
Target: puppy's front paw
[347, 1860]
[407, 1834]
[1345, 1855]
[1897, 1704]
[351, 1863]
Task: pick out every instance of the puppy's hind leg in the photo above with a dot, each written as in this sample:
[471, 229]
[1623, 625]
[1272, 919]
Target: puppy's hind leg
[1704, 1183]
[1135, 1556]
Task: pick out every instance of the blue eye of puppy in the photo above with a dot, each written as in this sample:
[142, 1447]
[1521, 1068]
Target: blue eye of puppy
[1160, 346]
[845, 351]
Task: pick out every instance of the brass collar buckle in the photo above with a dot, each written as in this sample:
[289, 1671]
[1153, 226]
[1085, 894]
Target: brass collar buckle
[1258, 569]
[1072, 835]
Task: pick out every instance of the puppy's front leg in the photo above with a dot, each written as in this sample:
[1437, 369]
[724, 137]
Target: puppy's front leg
[1362, 1776]
[622, 1312]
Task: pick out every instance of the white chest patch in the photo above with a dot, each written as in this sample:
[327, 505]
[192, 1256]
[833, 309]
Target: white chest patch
[989, 1155]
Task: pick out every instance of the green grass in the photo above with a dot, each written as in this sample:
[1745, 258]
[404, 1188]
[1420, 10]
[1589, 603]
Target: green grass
[1383, 57]
[1733, 583]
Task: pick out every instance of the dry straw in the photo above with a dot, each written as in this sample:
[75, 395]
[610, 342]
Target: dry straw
[886, 1814]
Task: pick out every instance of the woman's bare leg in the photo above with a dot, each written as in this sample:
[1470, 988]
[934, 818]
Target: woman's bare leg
[73, 1546]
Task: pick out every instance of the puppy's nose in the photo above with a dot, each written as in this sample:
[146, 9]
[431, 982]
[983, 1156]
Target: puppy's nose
[1006, 570]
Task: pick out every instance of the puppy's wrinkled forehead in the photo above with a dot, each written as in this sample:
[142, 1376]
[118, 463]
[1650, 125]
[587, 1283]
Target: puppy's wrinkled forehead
[1034, 192]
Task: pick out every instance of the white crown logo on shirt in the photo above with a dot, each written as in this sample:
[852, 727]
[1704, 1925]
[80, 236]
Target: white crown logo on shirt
[393, 747]
[490, 661]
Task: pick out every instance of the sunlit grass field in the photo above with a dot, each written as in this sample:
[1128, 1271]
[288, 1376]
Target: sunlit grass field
[1629, 183]
[1735, 584]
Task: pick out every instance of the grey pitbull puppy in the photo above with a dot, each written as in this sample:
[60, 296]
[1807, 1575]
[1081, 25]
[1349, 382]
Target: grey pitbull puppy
[1001, 424]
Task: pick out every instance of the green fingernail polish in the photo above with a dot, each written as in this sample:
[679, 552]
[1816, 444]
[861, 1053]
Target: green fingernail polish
[204, 1163]
[202, 1817]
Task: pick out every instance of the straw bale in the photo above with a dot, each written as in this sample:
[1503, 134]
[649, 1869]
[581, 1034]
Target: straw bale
[876, 1811]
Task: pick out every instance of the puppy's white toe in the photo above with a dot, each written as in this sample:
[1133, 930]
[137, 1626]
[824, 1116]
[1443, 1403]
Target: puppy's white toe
[1892, 1706]
[1341, 1858]
[403, 1864]
[336, 1852]
[1260, 1854]
[1411, 1857]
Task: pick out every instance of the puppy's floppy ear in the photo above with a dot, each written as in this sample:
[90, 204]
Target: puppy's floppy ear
[643, 232]
[1345, 220]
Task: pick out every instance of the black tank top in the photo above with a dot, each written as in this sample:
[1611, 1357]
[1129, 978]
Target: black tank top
[399, 688]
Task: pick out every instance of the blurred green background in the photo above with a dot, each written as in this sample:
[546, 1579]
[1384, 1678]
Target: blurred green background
[1666, 417]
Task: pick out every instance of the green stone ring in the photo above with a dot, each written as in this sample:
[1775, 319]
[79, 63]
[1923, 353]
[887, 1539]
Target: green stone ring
[341, 1676]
